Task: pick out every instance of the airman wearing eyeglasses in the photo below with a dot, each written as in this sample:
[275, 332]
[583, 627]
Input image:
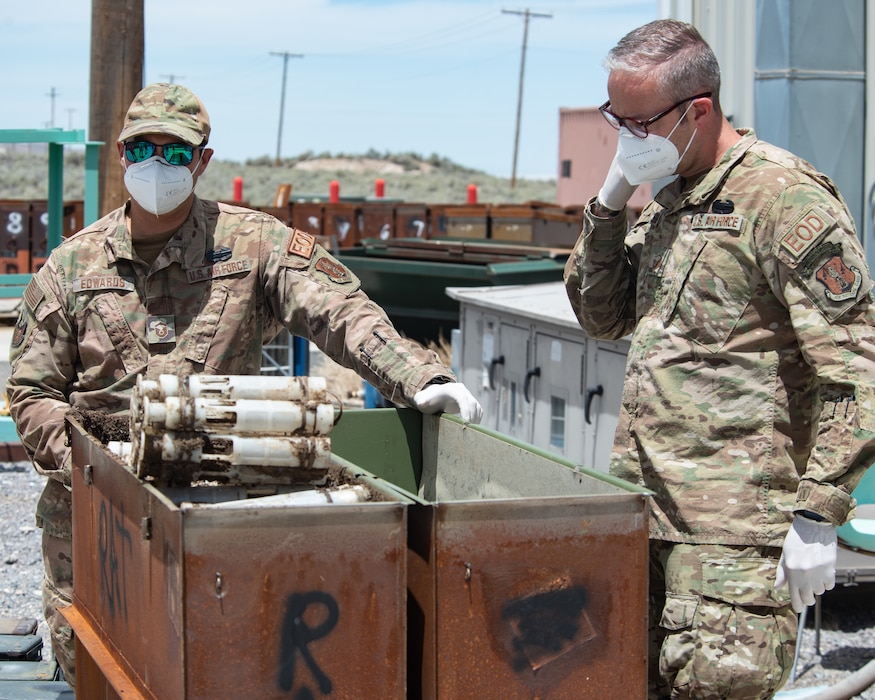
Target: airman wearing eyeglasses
[748, 402]
[173, 284]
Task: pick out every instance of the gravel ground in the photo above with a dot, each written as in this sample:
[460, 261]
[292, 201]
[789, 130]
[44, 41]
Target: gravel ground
[20, 559]
[847, 638]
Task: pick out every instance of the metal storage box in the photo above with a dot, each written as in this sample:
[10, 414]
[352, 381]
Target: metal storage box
[309, 216]
[411, 220]
[199, 601]
[377, 219]
[527, 578]
[14, 237]
[342, 221]
[468, 221]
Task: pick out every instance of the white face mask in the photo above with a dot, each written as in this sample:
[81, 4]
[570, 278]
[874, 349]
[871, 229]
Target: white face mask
[157, 186]
[651, 158]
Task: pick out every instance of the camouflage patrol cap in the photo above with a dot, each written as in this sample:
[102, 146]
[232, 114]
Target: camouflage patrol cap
[174, 110]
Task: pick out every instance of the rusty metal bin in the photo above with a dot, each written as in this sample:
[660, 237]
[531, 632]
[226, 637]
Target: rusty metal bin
[14, 236]
[527, 578]
[468, 221]
[176, 600]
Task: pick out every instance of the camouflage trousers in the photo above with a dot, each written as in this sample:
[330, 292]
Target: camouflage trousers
[58, 593]
[717, 628]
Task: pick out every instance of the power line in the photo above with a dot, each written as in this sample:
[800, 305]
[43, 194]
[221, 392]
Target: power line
[286, 56]
[519, 107]
[171, 77]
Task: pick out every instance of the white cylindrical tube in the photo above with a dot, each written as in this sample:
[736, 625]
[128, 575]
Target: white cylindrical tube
[340, 495]
[120, 449]
[235, 387]
[262, 417]
[275, 451]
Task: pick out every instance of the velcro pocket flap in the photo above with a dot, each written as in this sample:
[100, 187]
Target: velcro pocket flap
[747, 582]
[679, 611]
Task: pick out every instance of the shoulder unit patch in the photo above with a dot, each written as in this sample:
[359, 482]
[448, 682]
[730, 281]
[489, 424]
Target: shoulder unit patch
[841, 281]
[333, 270]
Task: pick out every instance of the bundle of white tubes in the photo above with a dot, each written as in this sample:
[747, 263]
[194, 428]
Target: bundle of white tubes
[230, 420]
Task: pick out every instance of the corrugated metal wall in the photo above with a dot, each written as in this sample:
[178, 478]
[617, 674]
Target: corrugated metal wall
[796, 71]
[810, 87]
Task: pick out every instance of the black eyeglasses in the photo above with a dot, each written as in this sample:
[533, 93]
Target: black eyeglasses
[636, 126]
[173, 153]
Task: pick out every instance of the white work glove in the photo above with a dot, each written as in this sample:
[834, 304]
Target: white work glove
[449, 398]
[616, 190]
[808, 561]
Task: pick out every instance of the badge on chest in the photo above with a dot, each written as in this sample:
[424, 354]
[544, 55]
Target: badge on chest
[160, 329]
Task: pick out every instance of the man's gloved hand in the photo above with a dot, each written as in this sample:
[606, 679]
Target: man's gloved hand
[808, 561]
[616, 190]
[452, 397]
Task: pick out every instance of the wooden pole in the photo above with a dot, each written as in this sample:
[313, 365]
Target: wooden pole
[117, 49]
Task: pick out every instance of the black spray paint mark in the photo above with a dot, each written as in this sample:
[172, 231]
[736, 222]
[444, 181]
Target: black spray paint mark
[546, 625]
[296, 635]
[112, 553]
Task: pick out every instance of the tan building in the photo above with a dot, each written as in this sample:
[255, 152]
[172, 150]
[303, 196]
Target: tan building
[587, 144]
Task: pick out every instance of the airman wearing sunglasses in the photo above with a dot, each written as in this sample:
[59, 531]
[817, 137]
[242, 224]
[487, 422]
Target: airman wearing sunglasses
[171, 283]
[749, 406]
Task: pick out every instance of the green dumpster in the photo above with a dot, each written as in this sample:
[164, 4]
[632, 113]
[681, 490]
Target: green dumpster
[408, 277]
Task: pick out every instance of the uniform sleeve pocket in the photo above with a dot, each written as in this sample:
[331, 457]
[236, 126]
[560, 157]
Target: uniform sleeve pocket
[679, 611]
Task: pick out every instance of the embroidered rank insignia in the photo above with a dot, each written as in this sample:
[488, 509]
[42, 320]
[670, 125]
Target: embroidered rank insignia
[841, 282]
[302, 244]
[334, 270]
[160, 329]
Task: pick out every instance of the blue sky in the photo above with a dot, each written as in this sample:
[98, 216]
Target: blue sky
[392, 75]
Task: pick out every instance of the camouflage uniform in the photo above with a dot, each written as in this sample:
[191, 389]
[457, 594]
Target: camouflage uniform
[96, 316]
[748, 391]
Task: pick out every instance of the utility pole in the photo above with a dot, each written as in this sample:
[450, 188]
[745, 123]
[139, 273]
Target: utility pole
[286, 56]
[519, 108]
[171, 78]
[53, 94]
[117, 52]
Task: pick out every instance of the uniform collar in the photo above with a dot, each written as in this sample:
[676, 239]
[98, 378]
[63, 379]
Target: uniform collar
[683, 193]
[187, 246]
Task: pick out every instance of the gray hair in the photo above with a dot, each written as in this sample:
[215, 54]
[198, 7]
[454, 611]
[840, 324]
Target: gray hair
[675, 53]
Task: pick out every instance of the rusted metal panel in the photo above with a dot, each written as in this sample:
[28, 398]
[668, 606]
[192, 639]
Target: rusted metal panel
[539, 572]
[197, 601]
[377, 220]
[468, 221]
[120, 589]
[527, 578]
[539, 599]
[342, 223]
[15, 231]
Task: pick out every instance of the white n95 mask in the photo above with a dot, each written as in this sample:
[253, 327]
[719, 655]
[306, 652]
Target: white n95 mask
[157, 186]
[651, 158]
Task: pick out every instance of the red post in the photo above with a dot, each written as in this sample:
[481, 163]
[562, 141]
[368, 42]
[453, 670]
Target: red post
[238, 189]
[334, 191]
[472, 194]
[379, 188]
